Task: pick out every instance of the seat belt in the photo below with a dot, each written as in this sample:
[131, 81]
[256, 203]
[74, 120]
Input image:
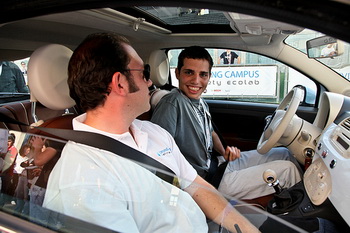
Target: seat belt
[216, 129]
[216, 179]
[106, 143]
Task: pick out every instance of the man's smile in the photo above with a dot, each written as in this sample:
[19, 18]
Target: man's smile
[194, 88]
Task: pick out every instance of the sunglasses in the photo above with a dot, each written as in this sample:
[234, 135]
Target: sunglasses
[146, 71]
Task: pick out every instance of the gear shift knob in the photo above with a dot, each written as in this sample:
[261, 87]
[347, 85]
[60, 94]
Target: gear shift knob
[270, 177]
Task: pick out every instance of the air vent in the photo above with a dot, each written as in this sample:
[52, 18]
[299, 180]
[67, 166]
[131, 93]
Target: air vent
[346, 124]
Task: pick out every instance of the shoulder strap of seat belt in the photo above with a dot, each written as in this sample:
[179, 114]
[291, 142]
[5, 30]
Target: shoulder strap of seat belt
[217, 177]
[109, 144]
[106, 143]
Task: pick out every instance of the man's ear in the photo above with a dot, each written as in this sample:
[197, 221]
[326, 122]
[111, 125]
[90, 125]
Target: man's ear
[177, 73]
[119, 84]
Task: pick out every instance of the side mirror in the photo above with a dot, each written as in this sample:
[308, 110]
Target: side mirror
[323, 47]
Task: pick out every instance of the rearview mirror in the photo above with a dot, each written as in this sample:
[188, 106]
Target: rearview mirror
[323, 47]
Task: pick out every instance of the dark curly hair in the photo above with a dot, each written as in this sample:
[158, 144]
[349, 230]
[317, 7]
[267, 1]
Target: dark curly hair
[92, 66]
[194, 52]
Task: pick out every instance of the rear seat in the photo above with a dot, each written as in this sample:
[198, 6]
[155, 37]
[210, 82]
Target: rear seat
[47, 79]
[21, 111]
[6, 111]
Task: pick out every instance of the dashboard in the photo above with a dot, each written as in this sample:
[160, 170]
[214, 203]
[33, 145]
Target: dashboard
[329, 174]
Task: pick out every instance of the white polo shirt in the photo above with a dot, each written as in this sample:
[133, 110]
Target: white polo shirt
[105, 189]
[152, 140]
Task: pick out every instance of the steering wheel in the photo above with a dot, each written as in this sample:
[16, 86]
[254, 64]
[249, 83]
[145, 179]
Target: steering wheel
[280, 119]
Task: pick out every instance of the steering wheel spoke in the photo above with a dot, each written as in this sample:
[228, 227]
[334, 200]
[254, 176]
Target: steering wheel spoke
[280, 120]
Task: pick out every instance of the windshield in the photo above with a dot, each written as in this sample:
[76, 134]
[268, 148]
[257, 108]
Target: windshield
[340, 63]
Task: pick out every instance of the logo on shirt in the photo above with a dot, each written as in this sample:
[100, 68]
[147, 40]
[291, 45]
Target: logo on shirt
[164, 152]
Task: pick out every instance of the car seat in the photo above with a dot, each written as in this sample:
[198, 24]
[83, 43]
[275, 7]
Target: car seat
[160, 69]
[47, 80]
[159, 75]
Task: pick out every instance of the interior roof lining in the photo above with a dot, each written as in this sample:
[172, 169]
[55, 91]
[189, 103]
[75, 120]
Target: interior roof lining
[323, 16]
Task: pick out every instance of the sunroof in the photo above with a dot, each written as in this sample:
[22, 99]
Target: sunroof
[181, 20]
[184, 16]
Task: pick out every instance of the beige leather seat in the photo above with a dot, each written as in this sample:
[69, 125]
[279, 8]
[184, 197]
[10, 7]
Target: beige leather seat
[47, 75]
[159, 75]
[47, 80]
[160, 69]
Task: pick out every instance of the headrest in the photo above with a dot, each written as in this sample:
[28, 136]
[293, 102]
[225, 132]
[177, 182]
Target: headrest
[156, 96]
[47, 76]
[159, 67]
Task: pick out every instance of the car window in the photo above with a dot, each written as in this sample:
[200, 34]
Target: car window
[23, 185]
[23, 66]
[339, 63]
[23, 193]
[250, 77]
[14, 82]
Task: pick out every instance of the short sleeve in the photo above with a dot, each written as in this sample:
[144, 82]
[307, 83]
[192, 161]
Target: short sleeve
[165, 115]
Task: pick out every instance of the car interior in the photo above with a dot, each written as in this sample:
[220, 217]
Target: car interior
[317, 131]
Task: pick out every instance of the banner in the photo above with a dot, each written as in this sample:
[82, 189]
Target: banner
[345, 71]
[255, 81]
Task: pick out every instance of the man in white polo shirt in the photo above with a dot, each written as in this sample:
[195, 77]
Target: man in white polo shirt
[109, 81]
